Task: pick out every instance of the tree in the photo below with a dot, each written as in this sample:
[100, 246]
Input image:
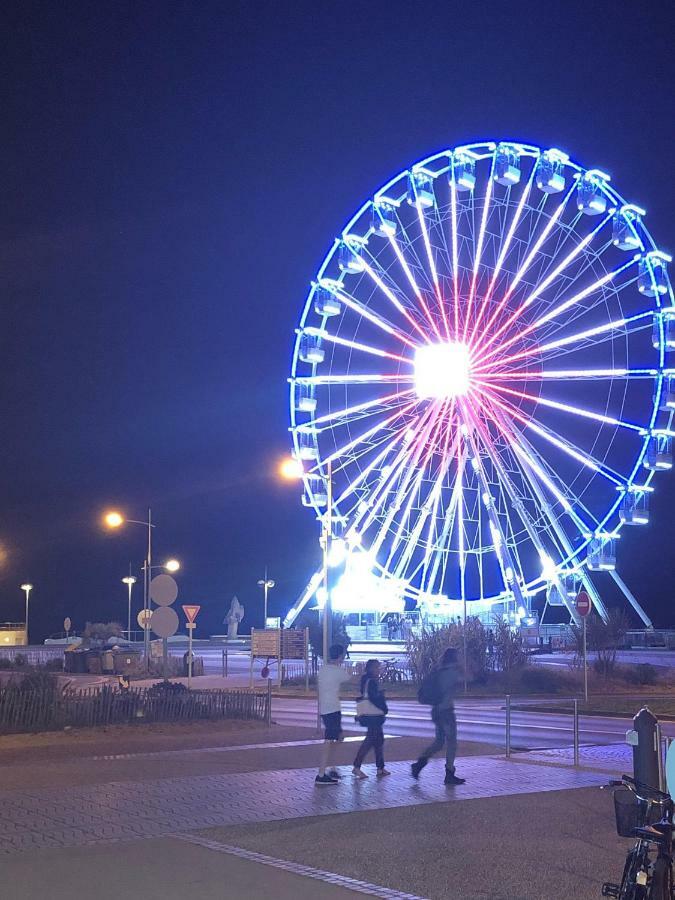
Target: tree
[604, 637]
[509, 652]
[97, 633]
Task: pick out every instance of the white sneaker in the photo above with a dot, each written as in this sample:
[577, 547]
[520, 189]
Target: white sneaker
[358, 773]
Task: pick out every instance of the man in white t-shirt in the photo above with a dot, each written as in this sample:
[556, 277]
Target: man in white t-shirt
[329, 680]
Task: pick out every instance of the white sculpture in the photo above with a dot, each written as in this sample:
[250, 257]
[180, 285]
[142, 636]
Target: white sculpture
[234, 617]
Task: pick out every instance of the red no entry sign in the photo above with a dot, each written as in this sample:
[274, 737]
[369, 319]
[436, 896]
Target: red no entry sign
[583, 604]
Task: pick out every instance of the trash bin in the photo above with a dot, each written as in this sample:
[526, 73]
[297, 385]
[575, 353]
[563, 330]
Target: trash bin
[93, 660]
[107, 662]
[126, 661]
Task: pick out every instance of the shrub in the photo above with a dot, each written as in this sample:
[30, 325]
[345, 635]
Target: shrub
[338, 633]
[20, 660]
[509, 653]
[543, 679]
[5, 663]
[643, 674]
[162, 688]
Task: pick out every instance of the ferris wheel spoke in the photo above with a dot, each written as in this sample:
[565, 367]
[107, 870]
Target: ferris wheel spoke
[606, 330]
[561, 443]
[478, 252]
[527, 262]
[533, 465]
[577, 374]
[444, 467]
[453, 510]
[389, 476]
[499, 542]
[365, 348]
[566, 304]
[430, 501]
[505, 245]
[568, 408]
[348, 412]
[432, 267]
[410, 484]
[380, 322]
[455, 250]
[390, 295]
[366, 435]
[548, 280]
[353, 378]
[389, 444]
[413, 284]
[405, 466]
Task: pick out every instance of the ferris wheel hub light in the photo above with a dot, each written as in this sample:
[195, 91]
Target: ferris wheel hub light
[442, 370]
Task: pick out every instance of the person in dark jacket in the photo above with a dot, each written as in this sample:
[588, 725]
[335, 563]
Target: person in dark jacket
[373, 721]
[443, 717]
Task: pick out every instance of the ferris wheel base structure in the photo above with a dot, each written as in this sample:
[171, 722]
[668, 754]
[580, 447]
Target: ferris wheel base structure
[482, 387]
[487, 613]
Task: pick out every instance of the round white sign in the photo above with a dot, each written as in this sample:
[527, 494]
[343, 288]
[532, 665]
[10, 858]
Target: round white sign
[67, 624]
[164, 621]
[143, 618]
[163, 590]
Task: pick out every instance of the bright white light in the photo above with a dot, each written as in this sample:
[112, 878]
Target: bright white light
[442, 370]
[548, 567]
[337, 552]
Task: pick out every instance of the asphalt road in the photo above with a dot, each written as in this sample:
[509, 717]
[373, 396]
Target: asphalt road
[478, 720]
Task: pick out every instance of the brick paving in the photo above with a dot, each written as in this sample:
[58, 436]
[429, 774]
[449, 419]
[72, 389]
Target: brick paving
[114, 811]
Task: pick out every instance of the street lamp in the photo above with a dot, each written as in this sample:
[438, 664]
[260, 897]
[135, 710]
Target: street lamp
[114, 519]
[292, 469]
[130, 581]
[27, 588]
[266, 583]
[171, 565]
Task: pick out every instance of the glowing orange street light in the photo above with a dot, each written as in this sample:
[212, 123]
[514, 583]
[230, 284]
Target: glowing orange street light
[113, 519]
[291, 469]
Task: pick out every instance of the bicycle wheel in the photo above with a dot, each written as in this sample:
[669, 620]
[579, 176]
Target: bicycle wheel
[661, 883]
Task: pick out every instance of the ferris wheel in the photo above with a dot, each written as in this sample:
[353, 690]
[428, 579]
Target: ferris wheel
[480, 387]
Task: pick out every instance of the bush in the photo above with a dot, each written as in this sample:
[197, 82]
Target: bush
[162, 688]
[426, 648]
[5, 663]
[644, 674]
[509, 653]
[338, 633]
[20, 660]
[543, 679]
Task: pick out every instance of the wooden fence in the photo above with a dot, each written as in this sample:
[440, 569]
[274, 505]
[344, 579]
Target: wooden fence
[49, 710]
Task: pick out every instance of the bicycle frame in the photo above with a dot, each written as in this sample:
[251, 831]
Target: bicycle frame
[645, 877]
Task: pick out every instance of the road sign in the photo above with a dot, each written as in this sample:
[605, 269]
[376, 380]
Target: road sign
[190, 626]
[293, 644]
[143, 618]
[164, 621]
[67, 624]
[191, 612]
[265, 643]
[583, 604]
[163, 590]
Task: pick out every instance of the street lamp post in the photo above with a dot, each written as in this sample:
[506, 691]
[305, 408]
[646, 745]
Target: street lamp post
[327, 539]
[114, 520]
[266, 584]
[130, 581]
[27, 588]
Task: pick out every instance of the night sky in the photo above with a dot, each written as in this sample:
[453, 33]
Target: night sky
[173, 174]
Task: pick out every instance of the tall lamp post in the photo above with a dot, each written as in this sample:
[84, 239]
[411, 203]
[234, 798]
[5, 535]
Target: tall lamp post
[266, 584]
[27, 588]
[115, 520]
[130, 581]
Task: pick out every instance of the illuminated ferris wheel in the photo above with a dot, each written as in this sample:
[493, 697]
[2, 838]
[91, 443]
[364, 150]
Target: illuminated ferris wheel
[481, 373]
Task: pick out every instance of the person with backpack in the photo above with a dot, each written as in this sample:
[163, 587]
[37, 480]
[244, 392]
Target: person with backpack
[438, 691]
[371, 710]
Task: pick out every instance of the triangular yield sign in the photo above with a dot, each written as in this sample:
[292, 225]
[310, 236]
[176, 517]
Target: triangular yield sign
[191, 612]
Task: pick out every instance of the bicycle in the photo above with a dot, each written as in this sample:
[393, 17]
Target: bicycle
[644, 813]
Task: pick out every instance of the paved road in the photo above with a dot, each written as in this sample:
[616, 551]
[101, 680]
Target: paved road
[480, 720]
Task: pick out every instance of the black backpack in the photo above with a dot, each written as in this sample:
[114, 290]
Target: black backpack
[430, 693]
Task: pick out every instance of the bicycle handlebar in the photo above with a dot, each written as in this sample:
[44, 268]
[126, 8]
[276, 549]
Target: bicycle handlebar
[636, 787]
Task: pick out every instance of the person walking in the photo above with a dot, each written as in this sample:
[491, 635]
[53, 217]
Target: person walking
[329, 681]
[439, 691]
[371, 709]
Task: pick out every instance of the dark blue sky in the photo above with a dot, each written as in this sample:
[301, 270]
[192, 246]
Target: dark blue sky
[173, 174]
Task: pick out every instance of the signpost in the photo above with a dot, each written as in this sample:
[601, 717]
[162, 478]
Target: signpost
[584, 605]
[190, 614]
[164, 620]
[280, 644]
[67, 625]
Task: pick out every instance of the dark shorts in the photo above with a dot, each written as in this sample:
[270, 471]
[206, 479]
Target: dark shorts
[332, 723]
